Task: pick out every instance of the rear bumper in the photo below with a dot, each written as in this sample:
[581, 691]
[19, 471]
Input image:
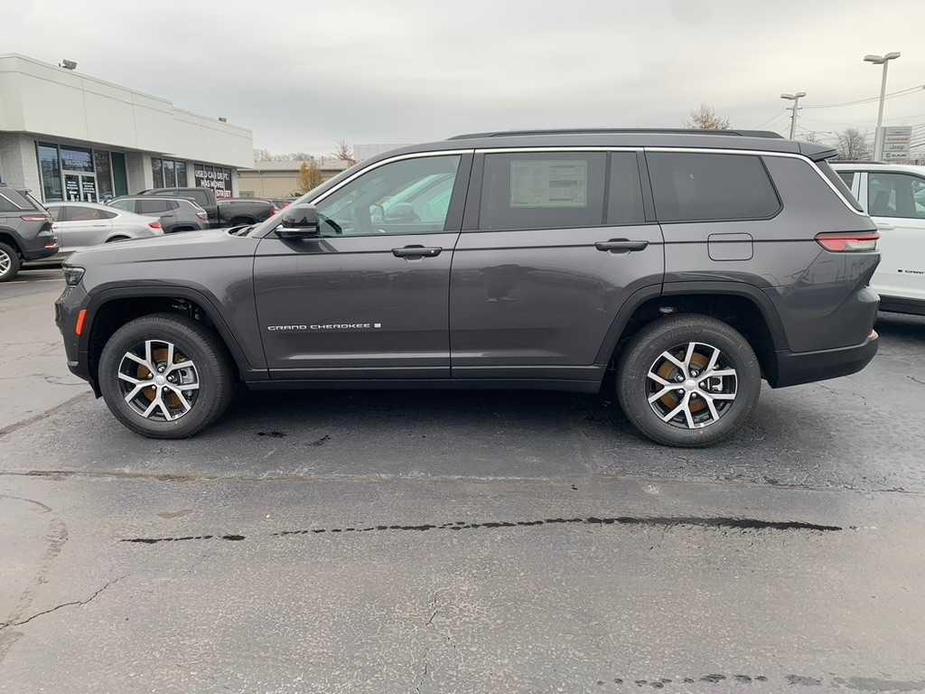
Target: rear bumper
[793, 368]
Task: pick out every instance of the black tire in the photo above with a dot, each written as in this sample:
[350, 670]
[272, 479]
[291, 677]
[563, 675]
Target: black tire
[642, 354]
[11, 262]
[199, 344]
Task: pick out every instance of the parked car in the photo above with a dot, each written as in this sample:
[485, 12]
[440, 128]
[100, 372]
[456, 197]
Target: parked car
[894, 197]
[175, 214]
[25, 231]
[223, 212]
[688, 265]
[81, 224]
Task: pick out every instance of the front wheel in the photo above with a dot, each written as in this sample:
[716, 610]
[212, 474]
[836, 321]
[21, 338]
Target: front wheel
[165, 376]
[688, 381]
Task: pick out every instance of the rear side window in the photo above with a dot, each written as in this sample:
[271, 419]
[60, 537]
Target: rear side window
[895, 195]
[847, 177]
[544, 190]
[7, 205]
[75, 213]
[127, 205]
[151, 206]
[692, 187]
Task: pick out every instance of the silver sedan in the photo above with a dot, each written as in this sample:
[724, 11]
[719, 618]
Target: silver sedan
[81, 224]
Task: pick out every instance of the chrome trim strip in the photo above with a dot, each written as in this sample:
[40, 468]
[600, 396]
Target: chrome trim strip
[376, 165]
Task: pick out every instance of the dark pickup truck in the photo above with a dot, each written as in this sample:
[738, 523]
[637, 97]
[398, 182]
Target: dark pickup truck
[222, 212]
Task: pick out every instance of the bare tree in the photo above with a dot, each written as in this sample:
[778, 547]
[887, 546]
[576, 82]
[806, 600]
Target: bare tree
[309, 176]
[344, 152]
[706, 118]
[262, 155]
[853, 145]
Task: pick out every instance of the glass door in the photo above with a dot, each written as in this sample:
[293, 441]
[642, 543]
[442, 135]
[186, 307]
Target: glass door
[80, 187]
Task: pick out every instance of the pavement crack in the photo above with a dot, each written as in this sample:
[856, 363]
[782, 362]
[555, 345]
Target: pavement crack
[59, 606]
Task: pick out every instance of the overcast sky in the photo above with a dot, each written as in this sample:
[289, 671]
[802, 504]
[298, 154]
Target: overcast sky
[303, 74]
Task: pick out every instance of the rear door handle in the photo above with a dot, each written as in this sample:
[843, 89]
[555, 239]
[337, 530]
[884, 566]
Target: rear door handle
[417, 251]
[620, 245]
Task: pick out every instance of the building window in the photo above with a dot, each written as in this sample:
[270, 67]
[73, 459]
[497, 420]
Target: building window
[50, 169]
[214, 177]
[103, 174]
[168, 173]
[73, 159]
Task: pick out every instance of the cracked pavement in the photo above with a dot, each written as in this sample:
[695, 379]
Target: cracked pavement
[466, 542]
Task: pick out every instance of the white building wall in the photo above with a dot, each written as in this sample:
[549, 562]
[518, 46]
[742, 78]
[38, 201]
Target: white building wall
[40, 98]
[18, 163]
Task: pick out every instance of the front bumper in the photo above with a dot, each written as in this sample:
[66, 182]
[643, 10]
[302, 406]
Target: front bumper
[793, 368]
[67, 309]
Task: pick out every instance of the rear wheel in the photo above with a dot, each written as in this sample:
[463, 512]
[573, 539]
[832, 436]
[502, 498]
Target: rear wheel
[114, 239]
[688, 380]
[165, 376]
[9, 262]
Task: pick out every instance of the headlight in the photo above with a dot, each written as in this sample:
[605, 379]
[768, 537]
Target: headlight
[73, 275]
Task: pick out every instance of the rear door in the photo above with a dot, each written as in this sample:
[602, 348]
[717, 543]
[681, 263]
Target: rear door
[554, 242]
[368, 299]
[896, 203]
[81, 226]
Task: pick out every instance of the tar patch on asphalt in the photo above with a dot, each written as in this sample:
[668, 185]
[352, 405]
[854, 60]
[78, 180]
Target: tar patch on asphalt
[732, 523]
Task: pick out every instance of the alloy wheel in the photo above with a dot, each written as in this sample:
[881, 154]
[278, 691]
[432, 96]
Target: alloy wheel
[6, 262]
[158, 381]
[691, 385]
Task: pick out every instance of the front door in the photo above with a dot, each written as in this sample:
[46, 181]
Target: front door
[553, 245]
[896, 203]
[80, 187]
[368, 298]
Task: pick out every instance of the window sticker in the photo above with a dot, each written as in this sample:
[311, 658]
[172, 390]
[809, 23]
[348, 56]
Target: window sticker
[549, 183]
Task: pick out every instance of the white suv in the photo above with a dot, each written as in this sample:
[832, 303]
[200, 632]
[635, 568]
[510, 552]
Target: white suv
[894, 197]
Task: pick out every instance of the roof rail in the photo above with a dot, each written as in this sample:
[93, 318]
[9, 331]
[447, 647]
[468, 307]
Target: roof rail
[597, 131]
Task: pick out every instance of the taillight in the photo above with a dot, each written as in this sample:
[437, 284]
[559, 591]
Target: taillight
[202, 215]
[848, 242]
[156, 227]
[35, 218]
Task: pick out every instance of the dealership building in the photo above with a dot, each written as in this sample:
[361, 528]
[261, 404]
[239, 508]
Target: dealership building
[67, 136]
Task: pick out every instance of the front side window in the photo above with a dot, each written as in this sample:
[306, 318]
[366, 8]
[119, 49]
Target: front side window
[151, 206]
[127, 205]
[694, 187]
[542, 190]
[411, 196]
[895, 195]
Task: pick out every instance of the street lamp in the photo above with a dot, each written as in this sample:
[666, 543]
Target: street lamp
[795, 98]
[883, 60]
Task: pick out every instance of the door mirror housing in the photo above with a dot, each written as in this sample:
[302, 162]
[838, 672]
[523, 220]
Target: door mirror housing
[299, 222]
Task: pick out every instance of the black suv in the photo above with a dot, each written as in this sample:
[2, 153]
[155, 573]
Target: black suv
[691, 265]
[25, 231]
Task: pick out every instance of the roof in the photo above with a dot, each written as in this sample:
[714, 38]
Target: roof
[744, 140]
[597, 131]
[876, 166]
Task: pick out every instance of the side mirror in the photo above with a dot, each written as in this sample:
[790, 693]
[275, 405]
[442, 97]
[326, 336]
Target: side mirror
[299, 222]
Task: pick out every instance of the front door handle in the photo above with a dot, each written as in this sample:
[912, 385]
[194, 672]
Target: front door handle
[620, 245]
[416, 251]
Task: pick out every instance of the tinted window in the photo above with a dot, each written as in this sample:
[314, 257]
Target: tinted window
[85, 214]
[151, 206]
[127, 205]
[542, 190]
[51, 172]
[692, 187]
[624, 194]
[895, 195]
[404, 197]
[57, 213]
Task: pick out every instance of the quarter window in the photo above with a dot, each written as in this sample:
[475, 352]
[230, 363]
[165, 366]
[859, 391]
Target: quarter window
[691, 187]
[895, 195]
[411, 196]
[542, 190]
[73, 213]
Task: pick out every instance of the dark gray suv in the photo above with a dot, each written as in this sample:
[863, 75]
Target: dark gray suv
[25, 231]
[689, 265]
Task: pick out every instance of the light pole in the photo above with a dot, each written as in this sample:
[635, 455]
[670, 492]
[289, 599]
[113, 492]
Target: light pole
[795, 98]
[883, 60]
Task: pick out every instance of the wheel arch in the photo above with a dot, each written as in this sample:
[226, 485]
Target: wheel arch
[9, 238]
[112, 308]
[743, 306]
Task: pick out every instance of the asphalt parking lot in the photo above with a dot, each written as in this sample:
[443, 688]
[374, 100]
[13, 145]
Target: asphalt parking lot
[444, 541]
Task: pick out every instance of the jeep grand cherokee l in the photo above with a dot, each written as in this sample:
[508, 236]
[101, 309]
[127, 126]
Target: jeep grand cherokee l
[691, 265]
